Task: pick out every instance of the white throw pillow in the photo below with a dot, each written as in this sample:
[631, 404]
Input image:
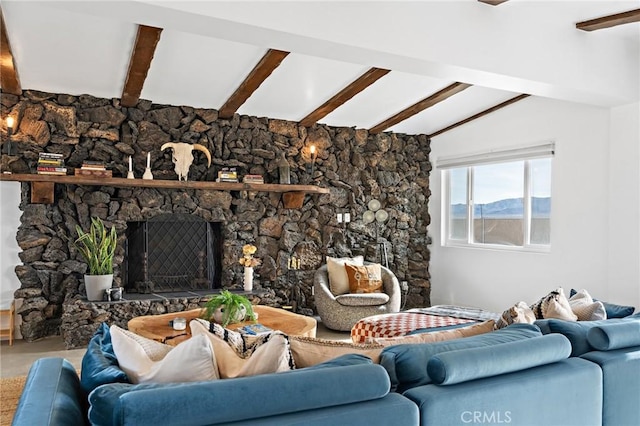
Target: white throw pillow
[518, 313]
[269, 354]
[190, 361]
[338, 279]
[585, 308]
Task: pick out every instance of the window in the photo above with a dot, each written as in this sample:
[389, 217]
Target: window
[500, 199]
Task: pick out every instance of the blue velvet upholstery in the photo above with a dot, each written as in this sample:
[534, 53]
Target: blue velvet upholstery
[99, 363]
[51, 396]
[615, 336]
[621, 385]
[568, 392]
[222, 401]
[576, 331]
[619, 358]
[407, 364]
[463, 365]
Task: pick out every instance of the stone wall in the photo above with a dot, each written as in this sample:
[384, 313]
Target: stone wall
[354, 165]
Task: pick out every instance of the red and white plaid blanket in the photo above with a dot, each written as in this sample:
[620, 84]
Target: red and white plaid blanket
[391, 325]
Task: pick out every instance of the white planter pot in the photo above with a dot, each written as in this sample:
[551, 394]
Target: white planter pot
[96, 285]
[240, 315]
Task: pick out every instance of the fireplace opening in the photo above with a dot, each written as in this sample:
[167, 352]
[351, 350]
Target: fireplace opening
[172, 252]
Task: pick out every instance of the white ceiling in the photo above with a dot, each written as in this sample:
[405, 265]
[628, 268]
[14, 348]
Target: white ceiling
[208, 47]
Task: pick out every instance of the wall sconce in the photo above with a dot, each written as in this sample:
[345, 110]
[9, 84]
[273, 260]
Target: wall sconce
[314, 155]
[10, 123]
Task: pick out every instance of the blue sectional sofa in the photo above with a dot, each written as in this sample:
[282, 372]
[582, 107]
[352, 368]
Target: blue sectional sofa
[516, 376]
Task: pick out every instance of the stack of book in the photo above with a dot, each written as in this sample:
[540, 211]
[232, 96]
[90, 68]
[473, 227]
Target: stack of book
[255, 330]
[93, 168]
[227, 174]
[253, 179]
[51, 164]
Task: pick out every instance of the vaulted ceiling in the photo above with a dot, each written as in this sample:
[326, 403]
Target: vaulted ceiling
[409, 67]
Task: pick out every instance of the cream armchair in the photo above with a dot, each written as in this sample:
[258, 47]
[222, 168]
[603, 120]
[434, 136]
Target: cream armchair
[342, 312]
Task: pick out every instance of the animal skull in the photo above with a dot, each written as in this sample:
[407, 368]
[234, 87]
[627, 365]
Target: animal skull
[182, 156]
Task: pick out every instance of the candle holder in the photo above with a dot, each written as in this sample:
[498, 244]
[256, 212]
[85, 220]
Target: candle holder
[130, 175]
[147, 174]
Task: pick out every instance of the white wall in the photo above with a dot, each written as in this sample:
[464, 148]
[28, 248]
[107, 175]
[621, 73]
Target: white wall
[9, 221]
[583, 248]
[624, 204]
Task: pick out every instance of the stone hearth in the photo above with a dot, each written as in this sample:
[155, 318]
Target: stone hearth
[356, 166]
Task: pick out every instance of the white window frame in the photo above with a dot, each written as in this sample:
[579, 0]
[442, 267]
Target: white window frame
[526, 153]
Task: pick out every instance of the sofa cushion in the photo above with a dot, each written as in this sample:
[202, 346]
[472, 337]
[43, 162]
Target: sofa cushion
[308, 351]
[463, 365]
[438, 336]
[554, 305]
[99, 363]
[406, 364]
[238, 400]
[240, 356]
[363, 299]
[52, 395]
[192, 360]
[520, 313]
[612, 310]
[338, 279]
[576, 331]
[615, 336]
[583, 305]
[364, 279]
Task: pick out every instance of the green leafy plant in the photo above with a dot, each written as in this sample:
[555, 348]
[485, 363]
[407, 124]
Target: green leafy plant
[232, 307]
[97, 247]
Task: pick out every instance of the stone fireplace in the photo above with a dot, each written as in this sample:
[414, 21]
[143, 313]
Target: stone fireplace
[172, 253]
[354, 165]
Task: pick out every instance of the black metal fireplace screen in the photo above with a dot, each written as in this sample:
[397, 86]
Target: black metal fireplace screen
[172, 252]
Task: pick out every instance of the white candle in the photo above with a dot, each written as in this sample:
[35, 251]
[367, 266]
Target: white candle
[148, 160]
[130, 165]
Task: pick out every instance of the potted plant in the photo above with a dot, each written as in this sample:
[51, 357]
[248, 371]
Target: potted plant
[226, 308]
[97, 247]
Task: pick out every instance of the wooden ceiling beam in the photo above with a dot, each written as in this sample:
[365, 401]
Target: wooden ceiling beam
[269, 62]
[492, 2]
[480, 114]
[8, 73]
[357, 86]
[139, 64]
[420, 106]
[610, 21]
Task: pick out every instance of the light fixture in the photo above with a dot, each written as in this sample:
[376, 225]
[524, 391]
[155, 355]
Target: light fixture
[380, 215]
[10, 123]
[314, 155]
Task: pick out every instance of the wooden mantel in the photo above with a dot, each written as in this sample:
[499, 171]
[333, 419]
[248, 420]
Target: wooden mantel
[42, 186]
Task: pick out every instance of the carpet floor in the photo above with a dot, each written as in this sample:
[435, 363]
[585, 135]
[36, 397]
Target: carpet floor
[10, 391]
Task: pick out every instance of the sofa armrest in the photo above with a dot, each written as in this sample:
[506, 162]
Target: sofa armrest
[615, 336]
[225, 401]
[463, 365]
[51, 396]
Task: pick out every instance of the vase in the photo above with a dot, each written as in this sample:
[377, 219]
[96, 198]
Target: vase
[248, 278]
[96, 285]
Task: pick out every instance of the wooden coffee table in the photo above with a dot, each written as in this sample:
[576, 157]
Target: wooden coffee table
[157, 327]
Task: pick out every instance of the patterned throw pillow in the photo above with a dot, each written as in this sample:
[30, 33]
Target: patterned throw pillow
[554, 305]
[364, 279]
[518, 313]
[585, 308]
[338, 280]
